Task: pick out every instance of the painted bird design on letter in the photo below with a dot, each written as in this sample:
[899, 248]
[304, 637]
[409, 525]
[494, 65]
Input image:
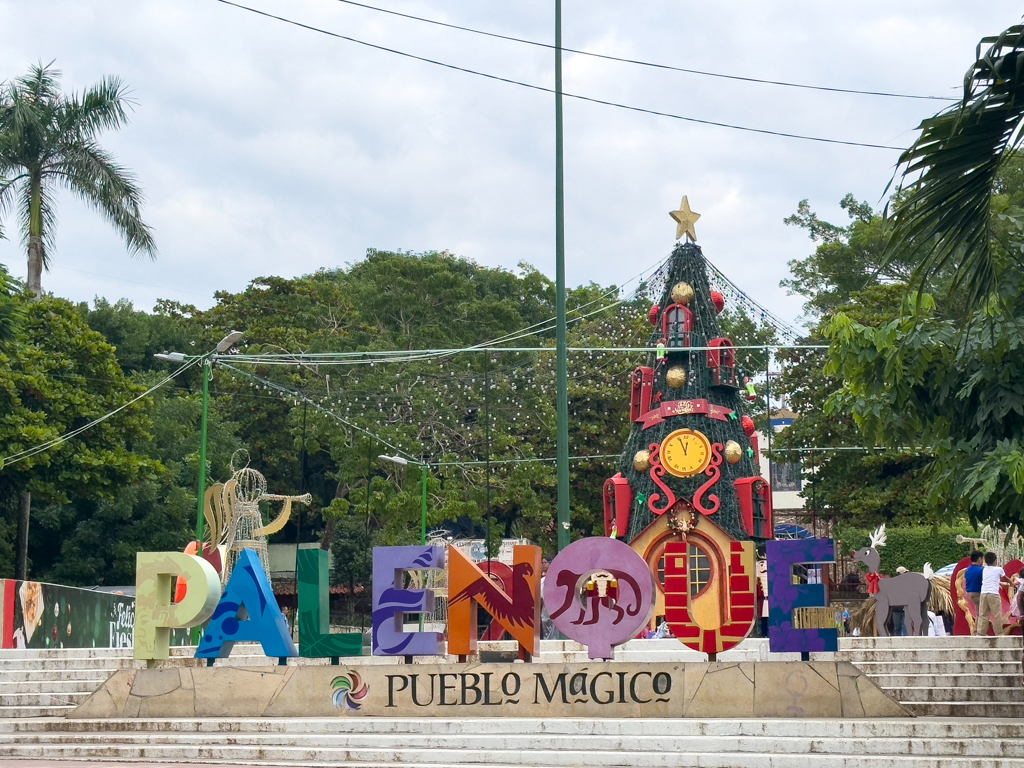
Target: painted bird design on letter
[497, 602]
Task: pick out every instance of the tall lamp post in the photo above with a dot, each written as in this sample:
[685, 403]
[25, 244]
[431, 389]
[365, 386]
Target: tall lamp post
[177, 357]
[561, 363]
[402, 462]
[423, 497]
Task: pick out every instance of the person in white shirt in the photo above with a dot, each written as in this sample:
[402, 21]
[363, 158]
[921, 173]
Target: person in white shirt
[989, 604]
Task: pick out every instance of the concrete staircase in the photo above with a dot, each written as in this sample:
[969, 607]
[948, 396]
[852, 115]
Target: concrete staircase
[48, 683]
[944, 676]
[561, 743]
[937, 677]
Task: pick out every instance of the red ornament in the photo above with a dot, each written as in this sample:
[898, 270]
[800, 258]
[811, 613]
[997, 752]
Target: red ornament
[653, 314]
[748, 425]
[718, 300]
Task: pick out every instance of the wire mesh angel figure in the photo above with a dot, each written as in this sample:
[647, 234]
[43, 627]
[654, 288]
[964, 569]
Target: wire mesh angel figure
[232, 512]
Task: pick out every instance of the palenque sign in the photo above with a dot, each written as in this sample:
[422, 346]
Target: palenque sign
[598, 591]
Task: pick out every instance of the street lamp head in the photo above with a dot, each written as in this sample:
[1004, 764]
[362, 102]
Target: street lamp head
[171, 357]
[394, 459]
[229, 341]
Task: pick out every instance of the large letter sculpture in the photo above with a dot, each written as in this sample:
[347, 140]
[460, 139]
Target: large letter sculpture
[247, 612]
[784, 596]
[599, 592]
[391, 602]
[714, 616]
[155, 615]
[315, 638]
[519, 613]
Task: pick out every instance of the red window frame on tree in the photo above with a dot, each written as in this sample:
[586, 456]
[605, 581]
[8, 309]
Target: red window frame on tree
[755, 497]
[642, 392]
[722, 364]
[677, 325]
[618, 500]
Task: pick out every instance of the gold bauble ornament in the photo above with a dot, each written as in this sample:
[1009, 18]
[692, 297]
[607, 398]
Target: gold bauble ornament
[676, 376]
[642, 461]
[682, 293]
[732, 452]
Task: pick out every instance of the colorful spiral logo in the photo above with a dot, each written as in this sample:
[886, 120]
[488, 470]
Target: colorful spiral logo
[349, 691]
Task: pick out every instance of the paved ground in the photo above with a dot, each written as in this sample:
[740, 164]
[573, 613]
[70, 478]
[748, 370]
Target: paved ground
[103, 764]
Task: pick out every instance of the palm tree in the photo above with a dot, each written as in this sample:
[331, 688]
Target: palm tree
[48, 141]
[944, 221]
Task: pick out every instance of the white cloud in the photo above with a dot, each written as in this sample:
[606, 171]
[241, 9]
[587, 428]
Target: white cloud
[267, 149]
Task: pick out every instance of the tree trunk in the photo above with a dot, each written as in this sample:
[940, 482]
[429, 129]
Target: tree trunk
[35, 264]
[24, 509]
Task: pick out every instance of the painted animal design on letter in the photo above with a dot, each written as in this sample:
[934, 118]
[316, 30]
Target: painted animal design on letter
[572, 583]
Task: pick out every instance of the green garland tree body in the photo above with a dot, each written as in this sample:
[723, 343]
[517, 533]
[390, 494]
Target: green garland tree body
[688, 265]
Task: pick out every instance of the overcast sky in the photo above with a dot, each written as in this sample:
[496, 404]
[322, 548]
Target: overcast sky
[266, 149]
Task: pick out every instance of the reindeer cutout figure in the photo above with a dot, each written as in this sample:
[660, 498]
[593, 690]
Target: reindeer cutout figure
[909, 591]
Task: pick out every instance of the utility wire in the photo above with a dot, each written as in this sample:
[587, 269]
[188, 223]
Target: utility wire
[551, 90]
[30, 452]
[401, 356]
[643, 63]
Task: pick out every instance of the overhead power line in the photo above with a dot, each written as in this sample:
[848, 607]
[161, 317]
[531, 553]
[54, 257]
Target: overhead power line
[542, 89]
[701, 72]
[381, 357]
[28, 453]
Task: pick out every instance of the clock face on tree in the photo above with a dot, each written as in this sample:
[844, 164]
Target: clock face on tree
[685, 452]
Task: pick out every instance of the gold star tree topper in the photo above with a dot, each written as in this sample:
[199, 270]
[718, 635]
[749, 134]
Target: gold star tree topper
[685, 219]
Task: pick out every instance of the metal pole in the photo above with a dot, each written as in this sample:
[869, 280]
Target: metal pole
[423, 518]
[207, 374]
[562, 367]
[423, 511]
[487, 458]
[768, 411]
[302, 489]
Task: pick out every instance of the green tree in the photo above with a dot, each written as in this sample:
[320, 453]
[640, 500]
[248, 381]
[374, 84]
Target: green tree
[48, 140]
[847, 259]
[94, 539]
[943, 374]
[846, 273]
[946, 219]
[9, 309]
[57, 376]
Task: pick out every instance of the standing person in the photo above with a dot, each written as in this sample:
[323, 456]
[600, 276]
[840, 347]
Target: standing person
[972, 584]
[1018, 611]
[990, 605]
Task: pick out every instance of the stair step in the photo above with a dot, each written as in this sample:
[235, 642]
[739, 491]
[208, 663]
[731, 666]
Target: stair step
[952, 680]
[206, 743]
[722, 753]
[961, 694]
[47, 686]
[35, 711]
[37, 676]
[42, 699]
[966, 709]
[902, 728]
[940, 668]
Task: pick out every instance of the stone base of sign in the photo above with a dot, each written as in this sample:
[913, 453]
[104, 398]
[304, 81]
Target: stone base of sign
[602, 689]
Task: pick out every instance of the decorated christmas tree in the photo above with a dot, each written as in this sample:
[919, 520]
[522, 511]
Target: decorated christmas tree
[690, 455]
